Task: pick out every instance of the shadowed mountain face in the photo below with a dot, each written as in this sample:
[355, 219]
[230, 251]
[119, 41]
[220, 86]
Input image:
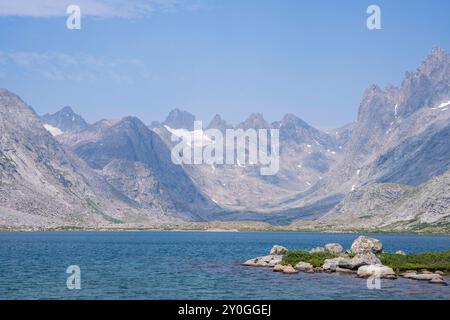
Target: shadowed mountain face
[178, 119]
[137, 162]
[65, 120]
[387, 169]
[401, 137]
[44, 185]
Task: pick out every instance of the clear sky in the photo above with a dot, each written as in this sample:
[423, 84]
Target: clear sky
[232, 57]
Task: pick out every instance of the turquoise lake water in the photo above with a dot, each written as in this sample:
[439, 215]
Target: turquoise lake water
[189, 265]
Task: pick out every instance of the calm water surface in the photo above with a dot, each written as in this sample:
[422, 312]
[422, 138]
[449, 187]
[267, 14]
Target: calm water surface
[189, 265]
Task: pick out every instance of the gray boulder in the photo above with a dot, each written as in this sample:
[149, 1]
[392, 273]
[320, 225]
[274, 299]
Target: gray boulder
[376, 270]
[278, 268]
[363, 259]
[344, 270]
[278, 250]
[284, 269]
[423, 276]
[289, 269]
[365, 244]
[304, 267]
[334, 248]
[332, 264]
[266, 261]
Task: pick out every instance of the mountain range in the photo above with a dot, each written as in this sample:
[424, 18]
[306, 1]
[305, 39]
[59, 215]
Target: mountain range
[388, 170]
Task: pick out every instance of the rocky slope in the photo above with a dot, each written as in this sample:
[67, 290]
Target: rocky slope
[43, 184]
[392, 142]
[138, 163]
[389, 169]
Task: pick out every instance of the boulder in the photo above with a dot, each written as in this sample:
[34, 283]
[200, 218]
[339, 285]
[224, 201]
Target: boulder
[278, 268]
[364, 259]
[334, 248]
[332, 264]
[422, 277]
[361, 259]
[400, 252]
[289, 270]
[266, 261]
[317, 250]
[425, 271]
[304, 267]
[376, 270]
[343, 270]
[285, 269]
[278, 250]
[365, 244]
[438, 280]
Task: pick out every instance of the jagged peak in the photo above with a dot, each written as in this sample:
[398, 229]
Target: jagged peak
[218, 123]
[292, 120]
[254, 121]
[180, 119]
[435, 60]
[67, 109]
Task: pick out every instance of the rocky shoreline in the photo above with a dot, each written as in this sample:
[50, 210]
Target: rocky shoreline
[362, 260]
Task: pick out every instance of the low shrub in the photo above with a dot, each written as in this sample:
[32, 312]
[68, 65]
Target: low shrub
[428, 260]
[316, 259]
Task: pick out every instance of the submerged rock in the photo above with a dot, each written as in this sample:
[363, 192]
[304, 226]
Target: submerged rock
[278, 250]
[334, 248]
[304, 267]
[423, 276]
[376, 270]
[438, 280]
[365, 244]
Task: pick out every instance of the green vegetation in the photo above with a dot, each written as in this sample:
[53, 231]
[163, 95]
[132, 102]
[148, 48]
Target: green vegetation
[429, 260]
[94, 207]
[316, 259]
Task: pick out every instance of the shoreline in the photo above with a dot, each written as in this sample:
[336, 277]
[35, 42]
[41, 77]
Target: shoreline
[218, 230]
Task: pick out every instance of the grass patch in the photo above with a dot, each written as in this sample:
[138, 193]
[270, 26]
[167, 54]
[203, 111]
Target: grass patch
[428, 260]
[316, 259]
[94, 207]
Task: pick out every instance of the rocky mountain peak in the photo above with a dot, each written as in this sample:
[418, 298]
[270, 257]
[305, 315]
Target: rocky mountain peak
[291, 120]
[428, 86]
[14, 111]
[437, 59]
[254, 121]
[218, 123]
[65, 120]
[178, 119]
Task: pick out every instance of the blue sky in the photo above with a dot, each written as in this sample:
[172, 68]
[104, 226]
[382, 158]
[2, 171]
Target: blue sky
[232, 57]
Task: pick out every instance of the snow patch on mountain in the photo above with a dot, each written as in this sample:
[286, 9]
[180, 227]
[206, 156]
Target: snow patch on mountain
[53, 130]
